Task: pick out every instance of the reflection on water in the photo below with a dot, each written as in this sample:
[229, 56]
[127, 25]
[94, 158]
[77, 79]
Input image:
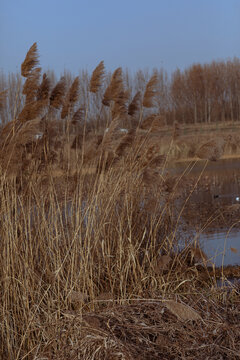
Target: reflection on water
[218, 247]
[214, 207]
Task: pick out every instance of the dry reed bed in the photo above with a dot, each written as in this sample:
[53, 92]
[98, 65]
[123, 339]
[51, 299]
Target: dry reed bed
[69, 240]
[149, 329]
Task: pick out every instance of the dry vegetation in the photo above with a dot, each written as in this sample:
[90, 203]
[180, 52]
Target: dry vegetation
[90, 266]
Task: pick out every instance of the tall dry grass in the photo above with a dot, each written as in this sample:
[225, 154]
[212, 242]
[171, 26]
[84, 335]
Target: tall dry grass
[85, 215]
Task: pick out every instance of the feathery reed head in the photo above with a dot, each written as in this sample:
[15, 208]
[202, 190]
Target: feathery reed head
[134, 104]
[74, 91]
[116, 84]
[3, 97]
[150, 91]
[120, 107]
[58, 93]
[32, 110]
[78, 116]
[97, 77]
[31, 85]
[44, 88]
[31, 60]
[125, 142]
[15, 132]
[71, 98]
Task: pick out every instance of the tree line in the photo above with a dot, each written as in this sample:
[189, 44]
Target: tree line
[201, 93]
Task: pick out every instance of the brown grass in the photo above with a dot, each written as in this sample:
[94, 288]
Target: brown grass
[71, 98]
[44, 88]
[150, 92]
[134, 105]
[3, 96]
[31, 85]
[116, 85]
[58, 93]
[89, 262]
[31, 60]
[97, 77]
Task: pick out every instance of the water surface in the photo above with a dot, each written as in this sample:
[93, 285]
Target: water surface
[214, 209]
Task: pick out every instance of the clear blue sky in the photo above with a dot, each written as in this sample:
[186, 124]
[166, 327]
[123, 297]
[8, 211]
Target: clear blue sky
[138, 34]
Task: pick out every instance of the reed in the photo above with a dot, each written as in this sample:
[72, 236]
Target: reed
[89, 256]
[44, 88]
[134, 105]
[97, 77]
[113, 88]
[150, 92]
[30, 61]
[71, 98]
[3, 97]
[58, 93]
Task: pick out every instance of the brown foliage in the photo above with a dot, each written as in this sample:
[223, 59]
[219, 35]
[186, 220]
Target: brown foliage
[150, 329]
[120, 106]
[32, 110]
[134, 106]
[58, 93]
[107, 142]
[211, 150]
[97, 77]
[72, 97]
[116, 85]
[150, 91]
[44, 88]
[125, 142]
[31, 85]
[153, 122]
[14, 137]
[78, 116]
[31, 60]
[3, 96]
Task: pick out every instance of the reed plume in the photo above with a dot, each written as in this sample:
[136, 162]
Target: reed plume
[3, 97]
[97, 77]
[32, 110]
[150, 92]
[125, 142]
[31, 85]
[18, 133]
[14, 138]
[27, 132]
[58, 93]
[44, 88]
[71, 98]
[120, 106]
[74, 91]
[78, 116]
[134, 106]
[31, 60]
[113, 88]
